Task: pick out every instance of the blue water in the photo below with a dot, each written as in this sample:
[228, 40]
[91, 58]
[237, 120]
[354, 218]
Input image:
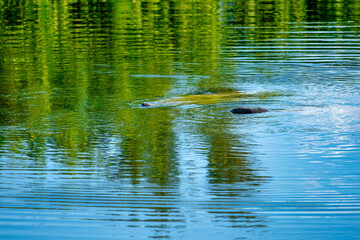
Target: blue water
[81, 159]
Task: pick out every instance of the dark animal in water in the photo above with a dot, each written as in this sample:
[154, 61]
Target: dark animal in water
[145, 104]
[242, 110]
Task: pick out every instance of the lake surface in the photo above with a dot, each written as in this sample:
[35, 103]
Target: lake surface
[80, 158]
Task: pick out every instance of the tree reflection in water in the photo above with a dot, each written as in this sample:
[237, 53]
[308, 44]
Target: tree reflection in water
[70, 93]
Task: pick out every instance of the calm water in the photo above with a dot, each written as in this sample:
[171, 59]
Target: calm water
[81, 159]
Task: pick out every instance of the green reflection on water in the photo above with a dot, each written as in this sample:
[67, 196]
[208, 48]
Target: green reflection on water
[67, 76]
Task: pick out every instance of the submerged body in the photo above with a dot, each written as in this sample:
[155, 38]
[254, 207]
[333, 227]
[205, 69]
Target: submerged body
[210, 98]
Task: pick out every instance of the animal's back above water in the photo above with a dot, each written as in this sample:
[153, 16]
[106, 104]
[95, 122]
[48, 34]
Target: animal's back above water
[242, 110]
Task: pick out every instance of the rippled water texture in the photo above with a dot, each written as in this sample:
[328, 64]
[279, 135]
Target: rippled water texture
[80, 158]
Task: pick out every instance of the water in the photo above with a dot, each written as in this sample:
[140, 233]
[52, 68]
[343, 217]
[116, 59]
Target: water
[81, 159]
